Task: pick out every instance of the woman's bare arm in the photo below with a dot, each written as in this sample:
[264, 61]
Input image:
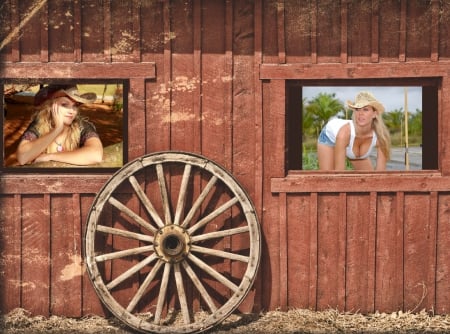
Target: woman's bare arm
[90, 153]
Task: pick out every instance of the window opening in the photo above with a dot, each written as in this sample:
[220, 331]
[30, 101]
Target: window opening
[101, 103]
[311, 103]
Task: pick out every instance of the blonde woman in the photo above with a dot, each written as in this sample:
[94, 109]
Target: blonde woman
[355, 139]
[57, 131]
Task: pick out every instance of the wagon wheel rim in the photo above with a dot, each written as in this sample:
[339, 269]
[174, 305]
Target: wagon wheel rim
[196, 252]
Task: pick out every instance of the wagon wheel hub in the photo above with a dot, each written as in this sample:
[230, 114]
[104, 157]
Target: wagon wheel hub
[172, 243]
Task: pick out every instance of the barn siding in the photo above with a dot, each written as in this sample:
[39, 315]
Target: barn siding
[208, 76]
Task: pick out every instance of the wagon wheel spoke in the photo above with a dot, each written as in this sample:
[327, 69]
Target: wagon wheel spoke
[164, 194]
[182, 194]
[183, 255]
[214, 252]
[123, 233]
[214, 273]
[162, 293]
[133, 270]
[150, 277]
[213, 215]
[181, 293]
[198, 284]
[123, 253]
[220, 234]
[145, 201]
[131, 214]
[199, 201]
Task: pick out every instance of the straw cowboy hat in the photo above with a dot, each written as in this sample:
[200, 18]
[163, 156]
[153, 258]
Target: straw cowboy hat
[366, 99]
[53, 91]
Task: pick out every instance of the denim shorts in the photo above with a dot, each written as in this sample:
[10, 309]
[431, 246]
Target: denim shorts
[324, 139]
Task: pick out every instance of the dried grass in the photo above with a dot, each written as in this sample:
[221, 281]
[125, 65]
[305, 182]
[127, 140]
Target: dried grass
[290, 322]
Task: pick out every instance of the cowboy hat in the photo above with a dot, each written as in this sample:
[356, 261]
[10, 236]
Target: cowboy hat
[364, 99]
[54, 91]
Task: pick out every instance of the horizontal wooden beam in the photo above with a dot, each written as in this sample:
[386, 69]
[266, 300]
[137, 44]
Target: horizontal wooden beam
[52, 183]
[340, 183]
[12, 70]
[354, 71]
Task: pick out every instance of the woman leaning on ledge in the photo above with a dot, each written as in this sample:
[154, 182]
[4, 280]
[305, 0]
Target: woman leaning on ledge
[58, 132]
[355, 139]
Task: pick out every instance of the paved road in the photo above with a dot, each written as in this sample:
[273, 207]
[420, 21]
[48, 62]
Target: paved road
[397, 161]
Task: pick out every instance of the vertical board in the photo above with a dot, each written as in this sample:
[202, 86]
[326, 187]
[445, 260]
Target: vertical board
[61, 31]
[419, 254]
[331, 251]
[390, 30]
[300, 249]
[297, 27]
[92, 31]
[389, 254]
[358, 258]
[328, 31]
[90, 301]
[443, 255]
[65, 238]
[359, 30]
[36, 254]
[10, 253]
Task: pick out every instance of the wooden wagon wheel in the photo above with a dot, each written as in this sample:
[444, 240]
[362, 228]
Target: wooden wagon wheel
[172, 266]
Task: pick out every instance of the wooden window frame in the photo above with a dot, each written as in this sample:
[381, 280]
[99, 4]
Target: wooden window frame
[134, 77]
[294, 97]
[417, 74]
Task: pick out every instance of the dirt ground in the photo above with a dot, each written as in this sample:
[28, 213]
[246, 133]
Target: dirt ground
[295, 321]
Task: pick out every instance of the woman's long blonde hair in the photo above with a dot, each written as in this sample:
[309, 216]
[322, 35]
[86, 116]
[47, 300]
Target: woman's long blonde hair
[383, 135]
[44, 124]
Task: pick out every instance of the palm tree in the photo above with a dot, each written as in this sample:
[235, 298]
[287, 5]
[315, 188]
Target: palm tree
[319, 110]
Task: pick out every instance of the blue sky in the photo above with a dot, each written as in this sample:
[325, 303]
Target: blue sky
[391, 97]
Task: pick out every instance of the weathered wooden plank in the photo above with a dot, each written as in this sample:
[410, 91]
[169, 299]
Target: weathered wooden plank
[360, 27]
[66, 268]
[55, 70]
[60, 31]
[331, 252]
[422, 182]
[328, 31]
[443, 254]
[389, 253]
[36, 258]
[321, 71]
[444, 30]
[313, 254]
[10, 250]
[418, 30]
[30, 36]
[300, 251]
[273, 95]
[136, 115]
[47, 183]
[419, 253]
[283, 267]
[270, 31]
[389, 35]
[185, 83]
[93, 31]
[299, 30]
[281, 32]
[358, 264]
[91, 303]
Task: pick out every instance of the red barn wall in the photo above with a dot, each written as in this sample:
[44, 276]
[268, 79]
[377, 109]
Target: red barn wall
[209, 77]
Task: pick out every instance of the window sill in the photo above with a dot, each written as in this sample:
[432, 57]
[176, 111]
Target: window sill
[338, 182]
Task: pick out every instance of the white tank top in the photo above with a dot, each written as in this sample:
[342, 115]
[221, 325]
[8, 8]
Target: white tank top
[334, 125]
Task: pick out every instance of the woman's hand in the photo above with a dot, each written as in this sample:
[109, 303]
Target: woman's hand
[58, 116]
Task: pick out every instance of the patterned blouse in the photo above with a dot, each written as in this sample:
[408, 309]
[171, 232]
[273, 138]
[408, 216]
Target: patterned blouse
[87, 131]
